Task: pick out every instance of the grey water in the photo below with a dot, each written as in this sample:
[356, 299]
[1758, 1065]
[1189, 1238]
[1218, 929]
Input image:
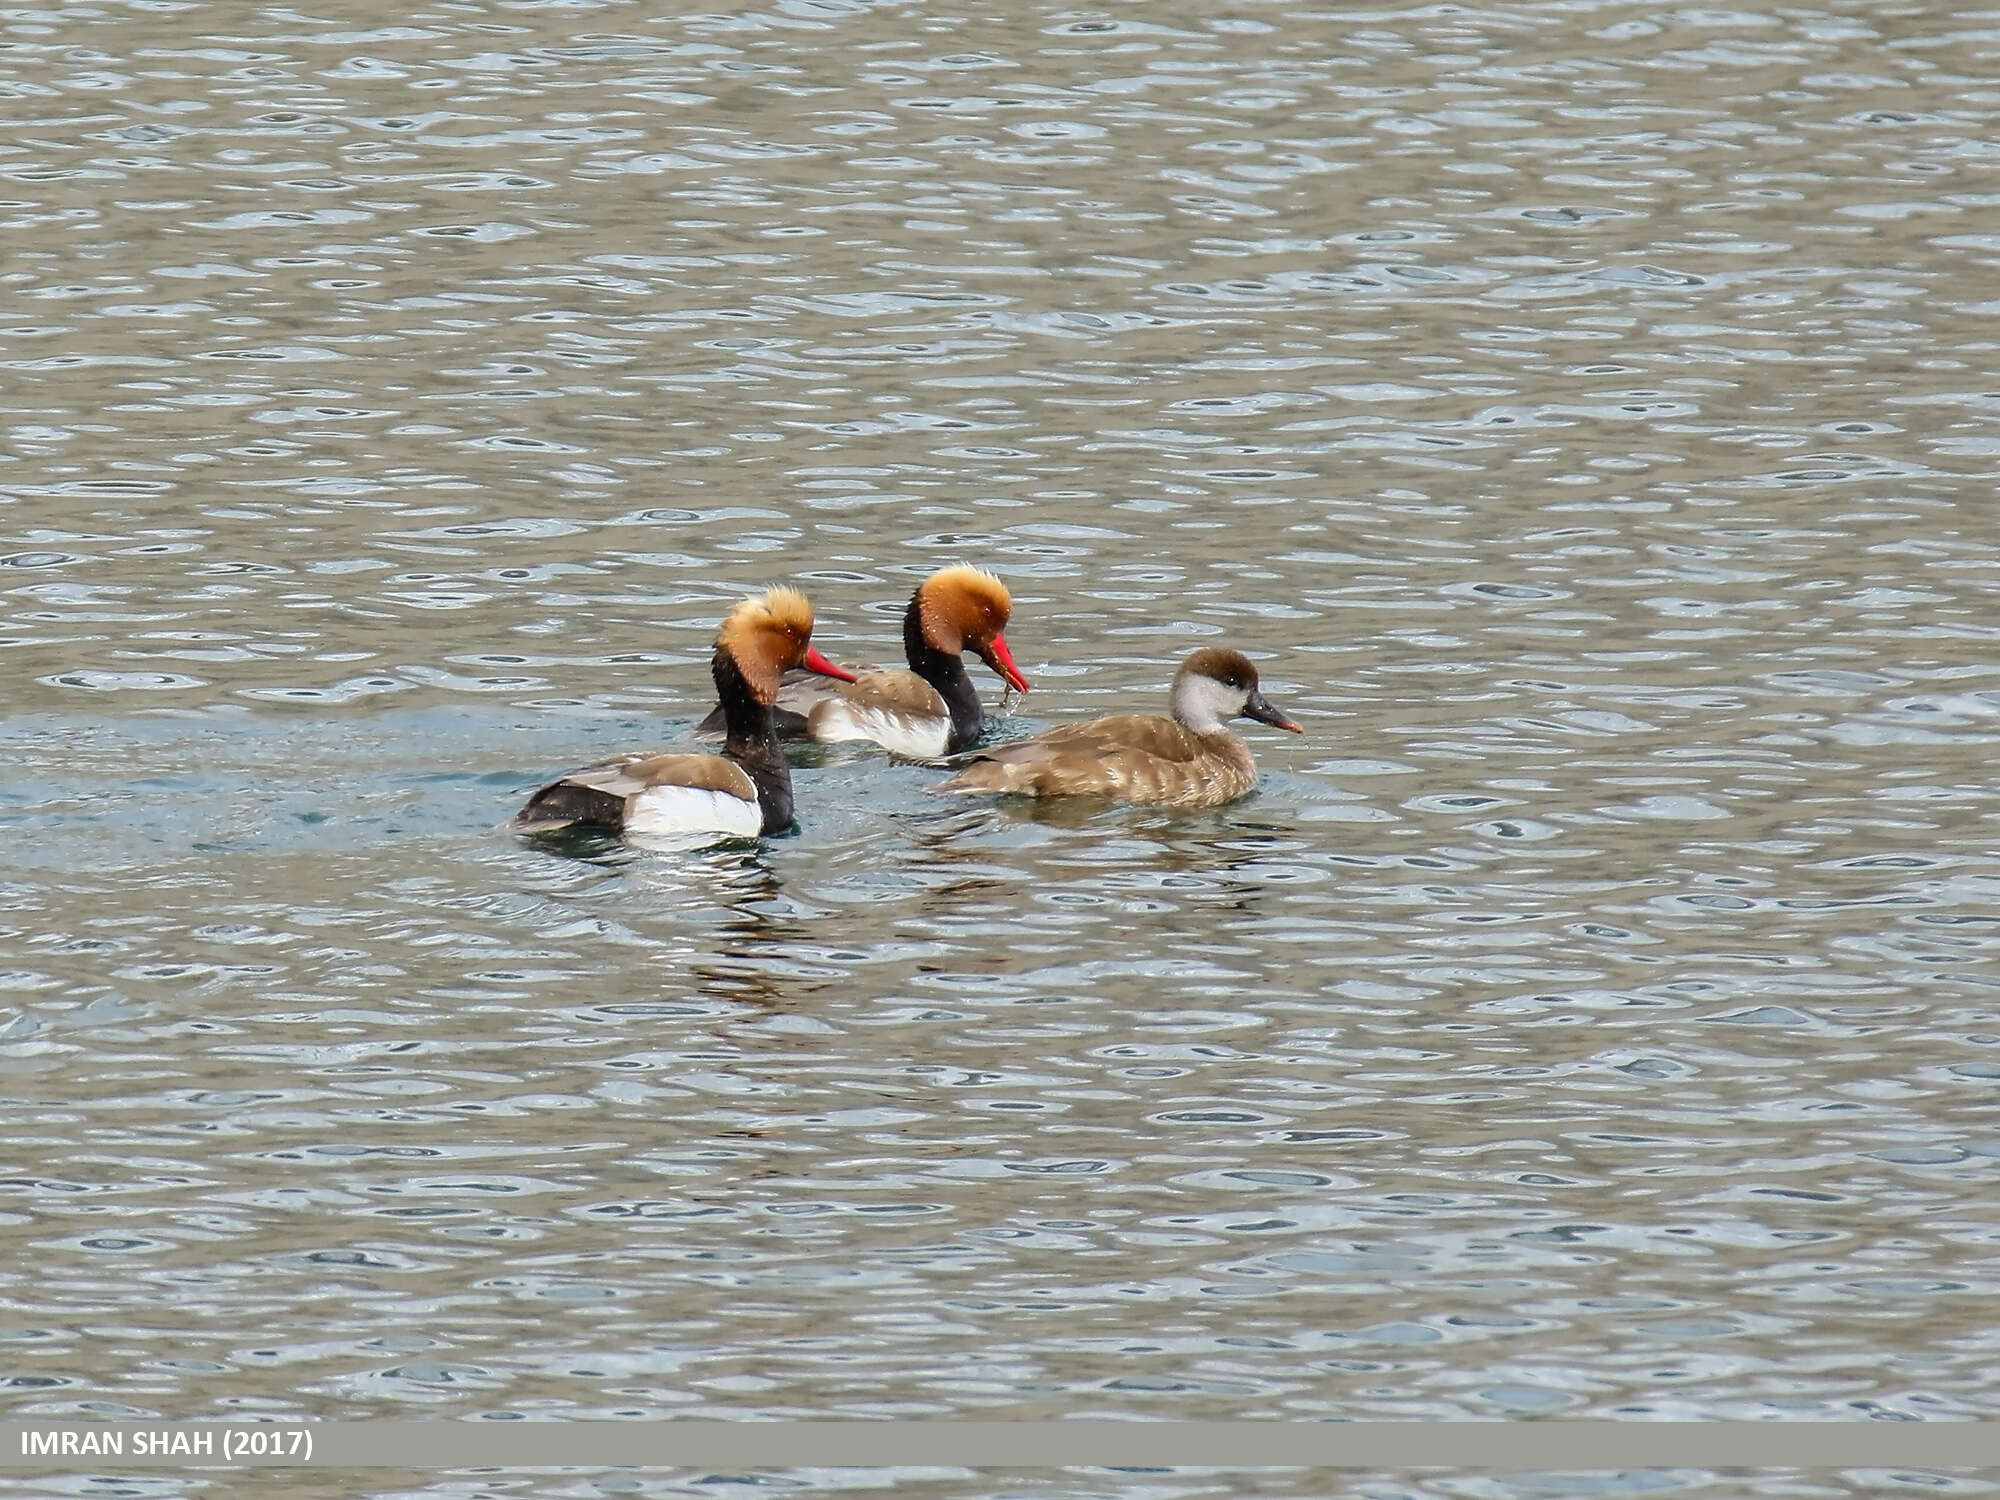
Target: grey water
[1584, 414]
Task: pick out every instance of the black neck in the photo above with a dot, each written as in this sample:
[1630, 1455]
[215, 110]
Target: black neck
[751, 740]
[944, 671]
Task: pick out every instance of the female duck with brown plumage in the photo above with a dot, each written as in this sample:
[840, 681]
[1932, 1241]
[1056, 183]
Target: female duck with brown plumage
[1187, 760]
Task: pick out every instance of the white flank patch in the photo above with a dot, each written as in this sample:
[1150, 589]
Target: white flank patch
[921, 739]
[692, 809]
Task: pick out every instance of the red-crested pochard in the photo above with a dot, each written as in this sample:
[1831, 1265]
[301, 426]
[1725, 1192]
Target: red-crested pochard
[747, 789]
[1189, 760]
[930, 709]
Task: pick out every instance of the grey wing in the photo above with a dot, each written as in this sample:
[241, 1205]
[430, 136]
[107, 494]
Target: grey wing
[595, 794]
[612, 777]
[798, 691]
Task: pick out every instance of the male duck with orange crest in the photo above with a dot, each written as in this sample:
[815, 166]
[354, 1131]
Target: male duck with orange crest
[930, 709]
[747, 789]
[1188, 760]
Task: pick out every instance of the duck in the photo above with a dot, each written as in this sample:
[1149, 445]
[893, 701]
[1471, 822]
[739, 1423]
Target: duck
[744, 791]
[929, 709]
[1187, 760]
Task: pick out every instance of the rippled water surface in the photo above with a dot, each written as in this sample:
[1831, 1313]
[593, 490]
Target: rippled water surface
[1584, 414]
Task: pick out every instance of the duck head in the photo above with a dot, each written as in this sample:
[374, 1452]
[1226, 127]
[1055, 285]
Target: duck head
[1215, 685]
[966, 609]
[766, 636]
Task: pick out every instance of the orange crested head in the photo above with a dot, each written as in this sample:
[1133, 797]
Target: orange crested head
[966, 609]
[768, 635]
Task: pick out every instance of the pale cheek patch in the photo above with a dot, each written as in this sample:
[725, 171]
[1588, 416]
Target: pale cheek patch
[692, 809]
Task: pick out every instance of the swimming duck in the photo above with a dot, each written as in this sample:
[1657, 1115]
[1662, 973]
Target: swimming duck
[1189, 760]
[930, 709]
[745, 790]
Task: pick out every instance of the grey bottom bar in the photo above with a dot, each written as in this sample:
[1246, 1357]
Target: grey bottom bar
[1483, 1446]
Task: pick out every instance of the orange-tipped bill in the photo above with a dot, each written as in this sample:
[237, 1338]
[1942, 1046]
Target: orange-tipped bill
[996, 655]
[817, 663]
[1258, 707]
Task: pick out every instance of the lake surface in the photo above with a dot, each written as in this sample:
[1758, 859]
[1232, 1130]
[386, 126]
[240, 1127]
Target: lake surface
[1588, 416]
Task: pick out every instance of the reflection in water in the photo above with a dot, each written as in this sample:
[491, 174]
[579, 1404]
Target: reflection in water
[737, 935]
[1581, 422]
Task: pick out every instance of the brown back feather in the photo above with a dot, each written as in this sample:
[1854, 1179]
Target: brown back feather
[602, 793]
[895, 689]
[710, 773]
[1138, 757]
